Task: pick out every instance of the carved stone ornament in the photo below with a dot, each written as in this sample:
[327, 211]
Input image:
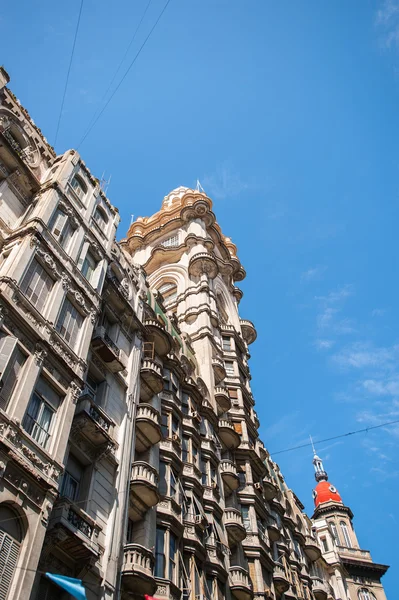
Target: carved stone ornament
[76, 390]
[71, 214]
[40, 354]
[48, 259]
[66, 281]
[2, 468]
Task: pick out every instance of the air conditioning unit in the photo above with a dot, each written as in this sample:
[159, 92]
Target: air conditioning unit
[258, 486]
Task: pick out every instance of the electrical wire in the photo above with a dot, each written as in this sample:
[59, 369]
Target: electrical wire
[68, 72]
[124, 75]
[336, 437]
[120, 65]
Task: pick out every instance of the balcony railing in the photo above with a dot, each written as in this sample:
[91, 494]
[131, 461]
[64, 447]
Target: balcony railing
[137, 569]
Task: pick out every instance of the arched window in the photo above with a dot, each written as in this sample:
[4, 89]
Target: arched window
[365, 594]
[221, 306]
[168, 291]
[334, 531]
[100, 217]
[79, 186]
[11, 536]
[345, 533]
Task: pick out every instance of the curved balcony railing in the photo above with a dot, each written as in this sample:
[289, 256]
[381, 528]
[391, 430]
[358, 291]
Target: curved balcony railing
[143, 472]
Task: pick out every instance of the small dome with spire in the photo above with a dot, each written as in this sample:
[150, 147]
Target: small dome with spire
[324, 491]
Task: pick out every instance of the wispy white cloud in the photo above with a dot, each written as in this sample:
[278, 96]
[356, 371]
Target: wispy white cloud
[224, 183]
[360, 355]
[387, 22]
[329, 320]
[378, 312]
[337, 295]
[324, 344]
[313, 273]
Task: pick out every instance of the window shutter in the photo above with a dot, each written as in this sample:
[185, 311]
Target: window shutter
[98, 276]
[11, 377]
[7, 345]
[9, 551]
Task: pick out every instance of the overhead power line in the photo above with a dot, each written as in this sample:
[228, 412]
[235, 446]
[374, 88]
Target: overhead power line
[68, 72]
[124, 75]
[336, 437]
[120, 65]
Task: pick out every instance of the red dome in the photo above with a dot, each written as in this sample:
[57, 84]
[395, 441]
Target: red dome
[325, 492]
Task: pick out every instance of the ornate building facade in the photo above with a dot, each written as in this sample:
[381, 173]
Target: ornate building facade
[129, 448]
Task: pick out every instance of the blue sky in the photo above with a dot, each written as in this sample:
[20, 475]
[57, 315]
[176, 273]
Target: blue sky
[288, 114]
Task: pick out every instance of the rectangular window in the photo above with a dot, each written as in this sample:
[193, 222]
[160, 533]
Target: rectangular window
[324, 544]
[185, 455]
[163, 484]
[40, 413]
[172, 557]
[165, 424]
[89, 266]
[160, 561]
[226, 343]
[72, 478]
[69, 323]
[37, 284]
[245, 517]
[185, 403]
[229, 366]
[61, 228]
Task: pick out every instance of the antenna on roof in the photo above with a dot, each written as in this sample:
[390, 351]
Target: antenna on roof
[199, 187]
[104, 184]
[132, 219]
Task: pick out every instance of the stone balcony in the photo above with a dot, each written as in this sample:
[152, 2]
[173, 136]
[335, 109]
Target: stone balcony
[228, 435]
[234, 526]
[273, 529]
[151, 378]
[280, 579]
[77, 534]
[219, 371]
[92, 422]
[270, 489]
[319, 588]
[223, 402]
[203, 262]
[248, 331]
[240, 583]
[148, 429]
[158, 334]
[143, 489]
[311, 548]
[108, 351]
[137, 570]
[229, 475]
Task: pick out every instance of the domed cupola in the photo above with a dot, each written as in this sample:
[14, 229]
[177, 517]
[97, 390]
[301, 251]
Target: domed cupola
[324, 490]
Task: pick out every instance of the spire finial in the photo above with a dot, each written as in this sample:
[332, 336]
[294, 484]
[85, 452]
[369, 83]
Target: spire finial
[314, 449]
[320, 473]
[199, 187]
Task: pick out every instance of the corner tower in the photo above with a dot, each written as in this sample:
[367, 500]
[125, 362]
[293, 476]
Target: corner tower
[352, 570]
